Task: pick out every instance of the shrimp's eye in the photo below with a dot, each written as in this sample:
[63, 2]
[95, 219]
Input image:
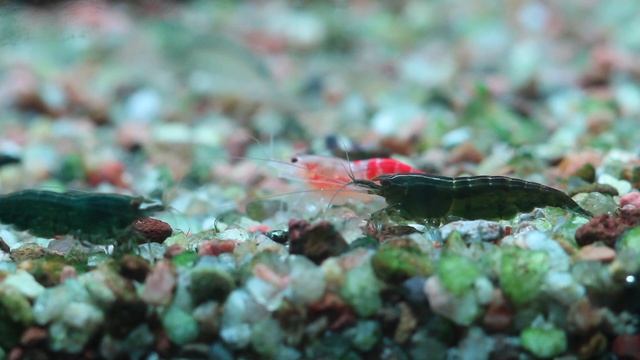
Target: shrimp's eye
[294, 159]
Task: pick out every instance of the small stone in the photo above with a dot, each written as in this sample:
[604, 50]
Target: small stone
[16, 306]
[595, 346]
[630, 240]
[68, 272]
[476, 345]
[474, 231]
[317, 242]
[173, 250]
[266, 337]
[361, 290]
[185, 259]
[457, 273]
[307, 283]
[207, 315]
[34, 336]
[159, 285]
[396, 264]
[27, 252]
[586, 172]
[545, 342]
[462, 310]
[583, 317]
[134, 267]
[622, 186]
[413, 290]
[152, 230]
[82, 316]
[627, 346]
[632, 198]
[338, 313]
[596, 253]
[216, 247]
[210, 283]
[606, 228]
[522, 273]
[364, 335]
[499, 315]
[180, 326]
[406, 324]
[24, 283]
[596, 203]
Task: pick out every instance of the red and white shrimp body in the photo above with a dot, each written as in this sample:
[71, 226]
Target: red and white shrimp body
[331, 175]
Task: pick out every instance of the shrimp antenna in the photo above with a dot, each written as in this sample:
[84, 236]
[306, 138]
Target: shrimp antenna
[349, 170]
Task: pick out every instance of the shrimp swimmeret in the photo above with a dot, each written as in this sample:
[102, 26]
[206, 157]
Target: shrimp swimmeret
[332, 176]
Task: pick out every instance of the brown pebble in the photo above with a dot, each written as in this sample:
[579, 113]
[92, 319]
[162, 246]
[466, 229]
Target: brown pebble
[499, 314]
[216, 247]
[134, 267]
[606, 228]
[466, 153]
[594, 346]
[317, 242]
[406, 325]
[152, 230]
[339, 314]
[34, 336]
[596, 253]
[582, 316]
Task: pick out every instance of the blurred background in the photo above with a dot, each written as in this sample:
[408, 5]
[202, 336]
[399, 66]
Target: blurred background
[141, 96]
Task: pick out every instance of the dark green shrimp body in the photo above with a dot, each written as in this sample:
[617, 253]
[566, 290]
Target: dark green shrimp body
[89, 216]
[476, 197]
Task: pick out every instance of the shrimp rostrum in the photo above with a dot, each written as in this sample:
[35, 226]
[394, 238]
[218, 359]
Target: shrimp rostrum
[88, 216]
[421, 196]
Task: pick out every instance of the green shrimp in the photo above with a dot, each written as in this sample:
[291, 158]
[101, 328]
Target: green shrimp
[422, 196]
[94, 217]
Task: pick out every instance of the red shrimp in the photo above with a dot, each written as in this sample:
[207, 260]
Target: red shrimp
[329, 174]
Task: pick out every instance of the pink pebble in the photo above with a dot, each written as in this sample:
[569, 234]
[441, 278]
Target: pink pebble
[632, 198]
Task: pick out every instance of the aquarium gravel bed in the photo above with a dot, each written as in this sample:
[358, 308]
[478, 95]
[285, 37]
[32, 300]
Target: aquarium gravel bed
[150, 207]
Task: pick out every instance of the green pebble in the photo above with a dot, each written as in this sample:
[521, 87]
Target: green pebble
[396, 264]
[185, 259]
[63, 338]
[365, 335]
[11, 318]
[361, 290]
[180, 326]
[457, 273]
[587, 173]
[630, 240]
[266, 337]
[596, 203]
[544, 342]
[210, 283]
[17, 306]
[522, 273]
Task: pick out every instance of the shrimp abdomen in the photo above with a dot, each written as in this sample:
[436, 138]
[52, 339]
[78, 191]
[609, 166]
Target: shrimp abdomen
[474, 197]
[502, 197]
